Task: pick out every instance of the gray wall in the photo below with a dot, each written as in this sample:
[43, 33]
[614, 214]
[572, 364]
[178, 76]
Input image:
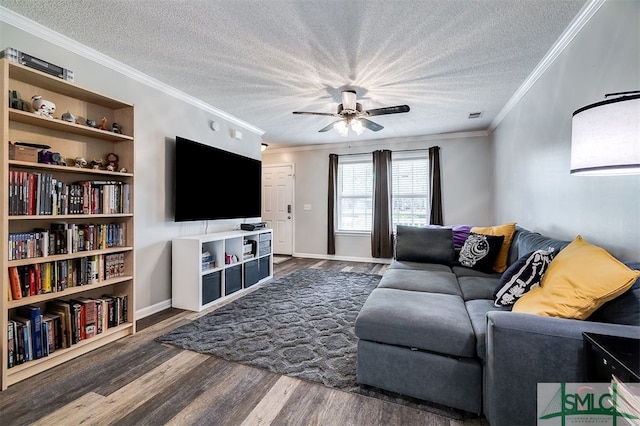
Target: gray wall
[159, 118]
[532, 144]
[467, 175]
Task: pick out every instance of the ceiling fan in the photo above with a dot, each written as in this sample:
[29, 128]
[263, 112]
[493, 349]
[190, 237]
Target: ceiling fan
[353, 117]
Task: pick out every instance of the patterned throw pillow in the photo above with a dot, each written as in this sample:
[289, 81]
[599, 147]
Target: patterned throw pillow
[520, 277]
[480, 251]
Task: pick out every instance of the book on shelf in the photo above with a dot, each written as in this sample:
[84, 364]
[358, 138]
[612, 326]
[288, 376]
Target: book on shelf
[24, 346]
[89, 316]
[14, 280]
[101, 315]
[45, 339]
[11, 344]
[63, 310]
[55, 335]
[33, 314]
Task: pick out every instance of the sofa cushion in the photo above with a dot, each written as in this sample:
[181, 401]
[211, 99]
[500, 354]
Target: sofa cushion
[427, 321]
[463, 271]
[477, 310]
[400, 264]
[480, 251]
[580, 279]
[416, 280]
[520, 277]
[527, 242]
[624, 309]
[477, 287]
[460, 235]
[507, 230]
[428, 245]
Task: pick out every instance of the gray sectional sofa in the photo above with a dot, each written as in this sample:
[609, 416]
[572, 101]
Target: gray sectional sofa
[430, 330]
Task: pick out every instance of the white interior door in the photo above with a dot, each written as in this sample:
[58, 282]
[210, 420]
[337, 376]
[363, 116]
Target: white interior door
[277, 205]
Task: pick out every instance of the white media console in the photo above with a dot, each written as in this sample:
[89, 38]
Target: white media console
[210, 267]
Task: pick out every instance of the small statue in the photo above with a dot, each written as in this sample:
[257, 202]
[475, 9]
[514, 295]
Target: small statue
[16, 102]
[112, 161]
[43, 107]
[103, 124]
[91, 123]
[115, 128]
[80, 162]
[67, 116]
[96, 164]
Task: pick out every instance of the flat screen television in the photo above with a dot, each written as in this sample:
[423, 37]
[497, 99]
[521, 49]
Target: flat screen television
[211, 183]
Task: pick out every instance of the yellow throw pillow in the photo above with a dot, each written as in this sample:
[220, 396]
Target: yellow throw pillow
[507, 230]
[580, 279]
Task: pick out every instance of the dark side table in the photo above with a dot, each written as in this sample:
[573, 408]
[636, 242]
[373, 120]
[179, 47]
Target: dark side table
[607, 356]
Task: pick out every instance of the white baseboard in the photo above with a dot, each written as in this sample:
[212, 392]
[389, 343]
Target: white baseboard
[153, 309]
[343, 258]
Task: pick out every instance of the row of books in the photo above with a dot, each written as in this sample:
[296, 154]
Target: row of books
[52, 277]
[35, 332]
[36, 193]
[64, 238]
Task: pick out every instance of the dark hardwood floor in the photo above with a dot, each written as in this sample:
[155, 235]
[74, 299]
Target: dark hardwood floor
[137, 381]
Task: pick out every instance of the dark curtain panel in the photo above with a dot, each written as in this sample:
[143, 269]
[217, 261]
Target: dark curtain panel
[382, 232]
[435, 187]
[331, 213]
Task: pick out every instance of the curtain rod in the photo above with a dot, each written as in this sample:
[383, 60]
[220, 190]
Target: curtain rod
[399, 150]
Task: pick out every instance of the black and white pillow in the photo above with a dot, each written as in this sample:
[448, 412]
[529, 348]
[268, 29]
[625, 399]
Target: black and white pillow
[522, 276]
[480, 251]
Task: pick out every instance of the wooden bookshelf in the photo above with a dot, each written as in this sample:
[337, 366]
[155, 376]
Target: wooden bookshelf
[71, 140]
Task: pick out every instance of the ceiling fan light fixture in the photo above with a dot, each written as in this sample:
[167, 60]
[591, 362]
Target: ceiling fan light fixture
[356, 126]
[342, 128]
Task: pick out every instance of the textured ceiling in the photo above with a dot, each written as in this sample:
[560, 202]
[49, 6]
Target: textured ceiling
[259, 60]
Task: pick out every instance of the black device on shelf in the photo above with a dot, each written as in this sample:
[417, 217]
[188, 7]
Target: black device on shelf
[607, 356]
[211, 183]
[19, 57]
[253, 226]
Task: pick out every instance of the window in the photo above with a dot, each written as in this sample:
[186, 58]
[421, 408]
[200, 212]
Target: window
[355, 193]
[410, 191]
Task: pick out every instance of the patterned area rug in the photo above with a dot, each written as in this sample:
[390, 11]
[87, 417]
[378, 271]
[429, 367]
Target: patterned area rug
[301, 325]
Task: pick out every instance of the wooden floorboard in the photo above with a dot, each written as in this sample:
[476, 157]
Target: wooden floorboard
[138, 381]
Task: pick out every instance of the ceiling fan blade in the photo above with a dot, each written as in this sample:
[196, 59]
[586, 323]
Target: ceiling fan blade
[330, 114]
[371, 125]
[389, 110]
[328, 127]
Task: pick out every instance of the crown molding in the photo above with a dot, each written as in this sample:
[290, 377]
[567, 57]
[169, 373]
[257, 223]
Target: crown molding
[10, 17]
[585, 15]
[376, 142]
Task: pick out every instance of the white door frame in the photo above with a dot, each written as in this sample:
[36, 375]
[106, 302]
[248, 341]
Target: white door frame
[292, 195]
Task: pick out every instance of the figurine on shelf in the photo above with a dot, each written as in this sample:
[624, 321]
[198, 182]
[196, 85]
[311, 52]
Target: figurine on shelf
[16, 102]
[115, 128]
[80, 162]
[123, 170]
[96, 164]
[43, 107]
[91, 123]
[112, 161]
[67, 116]
[103, 124]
